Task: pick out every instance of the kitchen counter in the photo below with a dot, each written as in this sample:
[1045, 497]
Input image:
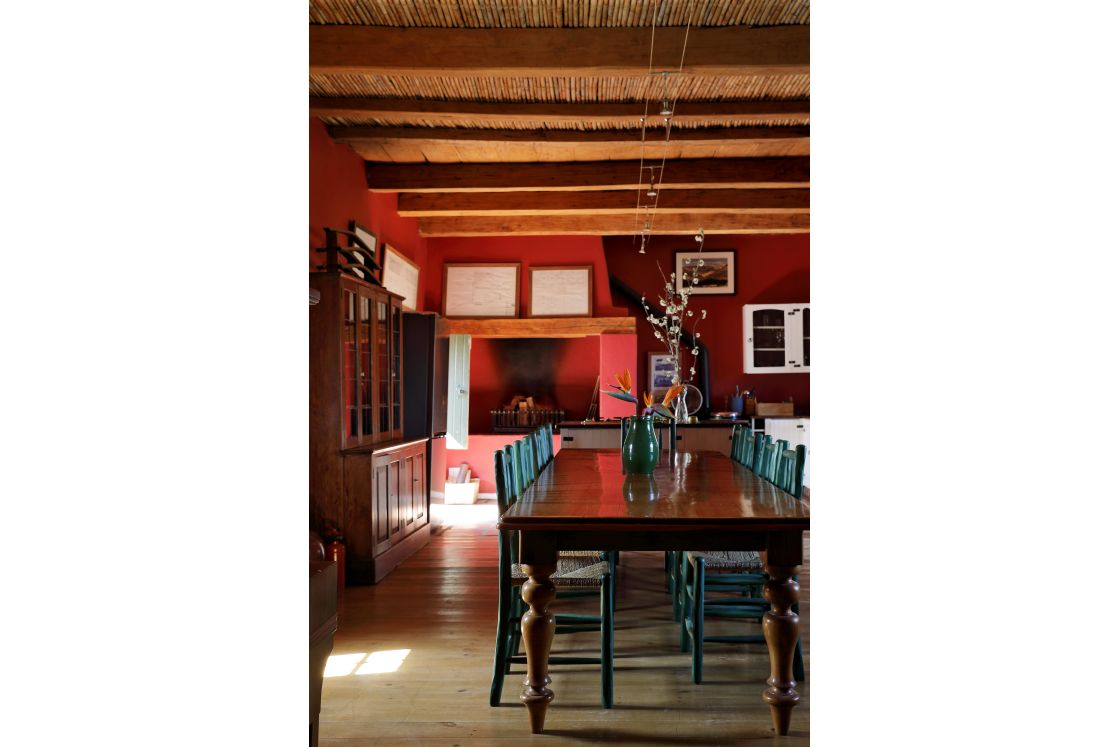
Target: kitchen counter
[701, 424]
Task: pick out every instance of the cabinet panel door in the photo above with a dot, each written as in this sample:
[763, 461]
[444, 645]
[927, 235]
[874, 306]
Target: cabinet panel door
[381, 535]
[420, 487]
[394, 498]
[408, 493]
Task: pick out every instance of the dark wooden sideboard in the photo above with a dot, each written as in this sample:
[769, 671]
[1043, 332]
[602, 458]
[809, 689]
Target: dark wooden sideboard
[366, 478]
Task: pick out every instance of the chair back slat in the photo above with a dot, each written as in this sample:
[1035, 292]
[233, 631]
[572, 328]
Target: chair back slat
[548, 434]
[513, 457]
[737, 443]
[748, 442]
[528, 469]
[769, 462]
[760, 442]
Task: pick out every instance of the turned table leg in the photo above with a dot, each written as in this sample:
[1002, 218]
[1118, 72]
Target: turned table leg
[780, 627]
[538, 625]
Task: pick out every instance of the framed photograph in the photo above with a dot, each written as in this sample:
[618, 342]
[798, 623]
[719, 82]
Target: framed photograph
[400, 275]
[362, 262]
[660, 372]
[715, 271]
[560, 291]
[481, 290]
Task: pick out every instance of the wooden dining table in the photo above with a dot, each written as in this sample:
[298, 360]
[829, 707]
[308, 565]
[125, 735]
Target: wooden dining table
[693, 501]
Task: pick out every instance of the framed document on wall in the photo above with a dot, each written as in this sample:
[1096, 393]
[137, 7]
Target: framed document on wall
[480, 290]
[560, 291]
[400, 275]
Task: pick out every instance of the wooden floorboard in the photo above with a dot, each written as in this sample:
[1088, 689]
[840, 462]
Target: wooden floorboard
[441, 605]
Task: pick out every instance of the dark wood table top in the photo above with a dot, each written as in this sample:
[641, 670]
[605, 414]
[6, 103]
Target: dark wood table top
[584, 489]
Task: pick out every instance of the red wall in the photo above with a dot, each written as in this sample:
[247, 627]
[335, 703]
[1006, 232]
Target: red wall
[768, 269]
[338, 194]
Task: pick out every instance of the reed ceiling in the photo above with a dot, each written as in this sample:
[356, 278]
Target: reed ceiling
[466, 85]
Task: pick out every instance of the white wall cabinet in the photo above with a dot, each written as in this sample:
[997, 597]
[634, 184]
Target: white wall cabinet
[776, 338]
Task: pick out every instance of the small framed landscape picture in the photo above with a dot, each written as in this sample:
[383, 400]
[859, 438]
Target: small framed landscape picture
[660, 372]
[714, 272]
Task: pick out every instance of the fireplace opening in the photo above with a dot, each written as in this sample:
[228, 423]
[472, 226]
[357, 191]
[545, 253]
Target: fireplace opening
[520, 383]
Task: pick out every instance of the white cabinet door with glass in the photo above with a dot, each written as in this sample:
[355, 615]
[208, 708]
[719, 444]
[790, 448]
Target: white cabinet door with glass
[776, 338]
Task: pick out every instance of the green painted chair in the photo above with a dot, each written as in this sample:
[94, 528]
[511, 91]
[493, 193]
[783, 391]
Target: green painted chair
[577, 574]
[791, 471]
[736, 573]
[697, 581]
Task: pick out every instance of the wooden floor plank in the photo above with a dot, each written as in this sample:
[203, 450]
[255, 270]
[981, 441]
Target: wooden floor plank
[441, 605]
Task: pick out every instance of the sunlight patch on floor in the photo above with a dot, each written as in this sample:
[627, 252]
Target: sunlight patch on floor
[378, 662]
[484, 513]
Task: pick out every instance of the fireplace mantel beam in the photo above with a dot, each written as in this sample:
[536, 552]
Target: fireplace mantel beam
[584, 326]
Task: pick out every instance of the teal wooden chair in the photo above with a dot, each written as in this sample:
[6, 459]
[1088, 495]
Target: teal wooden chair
[791, 471]
[736, 573]
[578, 573]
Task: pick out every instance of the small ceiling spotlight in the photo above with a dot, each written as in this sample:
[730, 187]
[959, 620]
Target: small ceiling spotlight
[651, 192]
[666, 109]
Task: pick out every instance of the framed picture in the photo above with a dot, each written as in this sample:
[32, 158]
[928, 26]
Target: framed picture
[560, 291]
[660, 372]
[400, 275]
[362, 263]
[480, 290]
[715, 272]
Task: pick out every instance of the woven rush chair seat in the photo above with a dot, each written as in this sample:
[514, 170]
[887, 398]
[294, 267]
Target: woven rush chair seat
[745, 560]
[573, 571]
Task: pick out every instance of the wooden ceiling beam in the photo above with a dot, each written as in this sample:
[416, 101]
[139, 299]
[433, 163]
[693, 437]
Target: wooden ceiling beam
[454, 145]
[557, 52]
[717, 173]
[617, 202]
[452, 112]
[608, 225]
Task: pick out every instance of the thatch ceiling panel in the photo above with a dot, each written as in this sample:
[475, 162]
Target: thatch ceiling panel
[558, 13]
[605, 124]
[559, 90]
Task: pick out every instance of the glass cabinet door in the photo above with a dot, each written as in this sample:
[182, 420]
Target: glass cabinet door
[384, 425]
[776, 338]
[805, 337]
[351, 430]
[767, 339]
[365, 368]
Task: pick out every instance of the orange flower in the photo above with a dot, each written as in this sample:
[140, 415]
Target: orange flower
[623, 380]
[648, 399]
[671, 394]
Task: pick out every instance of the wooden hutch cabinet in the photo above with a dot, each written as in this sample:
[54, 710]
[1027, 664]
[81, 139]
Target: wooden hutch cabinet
[365, 477]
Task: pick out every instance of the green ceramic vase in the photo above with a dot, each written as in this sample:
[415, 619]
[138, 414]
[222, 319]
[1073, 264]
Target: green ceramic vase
[639, 448]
